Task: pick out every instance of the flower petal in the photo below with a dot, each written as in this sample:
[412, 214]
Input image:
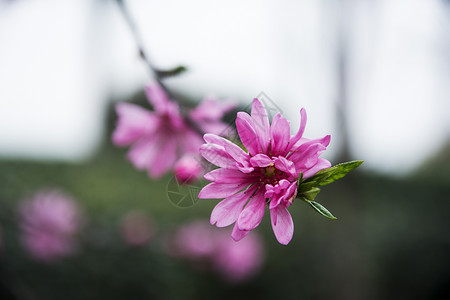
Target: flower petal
[232, 149]
[280, 133]
[304, 160]
[253, 213]
[287, 166]
[247, 133]
[211, 109]
[167, 154]
[238, 234]
[157, 97]
[220, 190]
[301, 130]
[223, 175]
[320, 165]
[227, 211]
[282, 224]
[143, 152]
[217, 155]
[261, 160]
[261, 124]
[133, 122]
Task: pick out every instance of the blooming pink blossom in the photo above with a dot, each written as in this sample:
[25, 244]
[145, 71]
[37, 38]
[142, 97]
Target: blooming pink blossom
[136, 228]
[159, 138]
[49, 222]
[266, 173]
[208, 249]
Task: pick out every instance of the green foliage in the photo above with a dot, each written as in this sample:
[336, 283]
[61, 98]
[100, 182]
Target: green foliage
[321, 210]
[309, 188]
[334, 173]
[171, 72]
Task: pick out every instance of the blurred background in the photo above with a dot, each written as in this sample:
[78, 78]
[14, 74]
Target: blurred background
[373, 74]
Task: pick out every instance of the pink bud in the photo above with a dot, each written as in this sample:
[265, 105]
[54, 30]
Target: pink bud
[188, 169]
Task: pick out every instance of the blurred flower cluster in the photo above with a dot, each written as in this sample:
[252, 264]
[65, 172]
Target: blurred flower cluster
[166, 140]
[212, 250]
[49, 222]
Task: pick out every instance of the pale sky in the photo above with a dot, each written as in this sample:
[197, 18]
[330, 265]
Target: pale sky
[60, 61]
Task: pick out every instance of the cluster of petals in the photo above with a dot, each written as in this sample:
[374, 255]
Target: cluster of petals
[208, 249]
[266, 173]
[164, 139]
[49, 221]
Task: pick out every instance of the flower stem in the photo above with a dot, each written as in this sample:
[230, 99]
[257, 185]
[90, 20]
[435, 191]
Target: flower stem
[137, 38]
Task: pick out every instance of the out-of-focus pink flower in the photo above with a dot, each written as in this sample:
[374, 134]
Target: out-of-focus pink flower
[209, 249]
[159, 138]
[267, 173]
[195, 241]
[49, 222]
[188, 169]
[136, 228]
[237, 262]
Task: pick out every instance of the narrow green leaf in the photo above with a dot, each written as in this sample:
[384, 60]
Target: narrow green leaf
[171, 72]
[322, 210]
[311, 193]
[334, 173]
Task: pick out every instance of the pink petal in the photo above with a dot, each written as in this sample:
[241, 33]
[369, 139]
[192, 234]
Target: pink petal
[261, 160]
[261, 124]
[301, 130]
[304, 143]
[217, 155]
[285, 165]
[167, 154]
[191, 141]
[220, 190]
[238, 234]
[282, 224]
[133, 122]
[227, 211]
[211, 109]
[320, 165]
[143, 152]
[253, 213]
[308, 158]
[247, 133]
[281, 134]
[232, 149]
[223, 175]
[157, 97]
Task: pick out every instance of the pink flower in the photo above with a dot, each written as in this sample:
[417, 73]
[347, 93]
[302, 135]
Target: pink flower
[237, 262]
[49, 222]
[194, 241]
[159, 138]
[208, 249]
[267, 173]
[136, 228]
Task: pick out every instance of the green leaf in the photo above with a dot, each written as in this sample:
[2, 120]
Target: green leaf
[171, 72]
[334, 173]
[311, 193]
[321, 210]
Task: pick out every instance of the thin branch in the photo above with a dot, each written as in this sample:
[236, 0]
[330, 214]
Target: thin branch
[137, 38]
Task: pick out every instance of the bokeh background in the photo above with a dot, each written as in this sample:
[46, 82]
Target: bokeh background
[373, 74]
